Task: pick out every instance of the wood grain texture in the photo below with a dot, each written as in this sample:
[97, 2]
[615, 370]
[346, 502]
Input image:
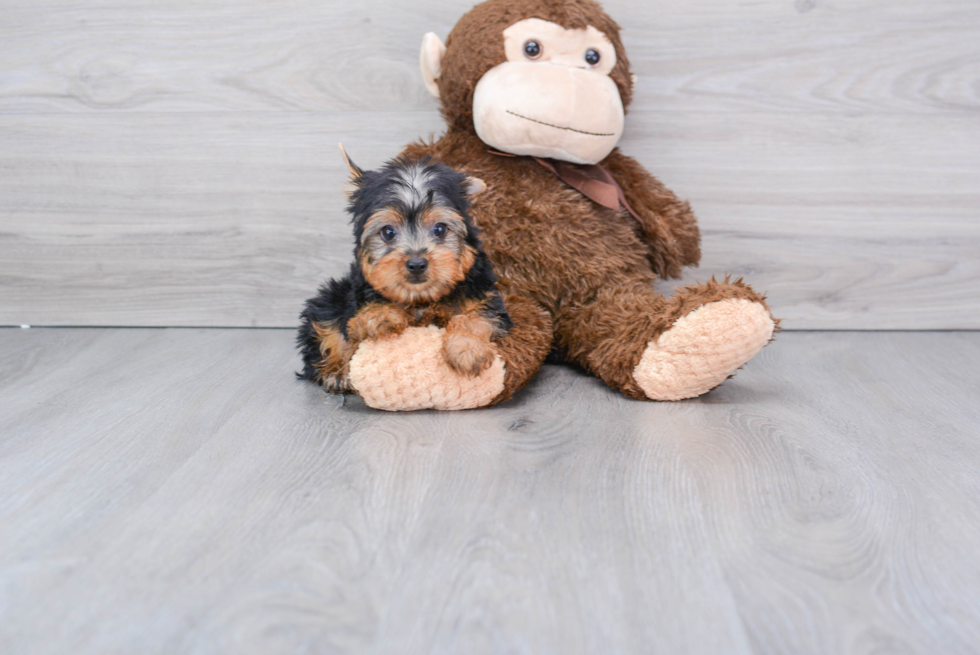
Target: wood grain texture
[173, 163]
[233, 219]
[178, 491]
[689, 55]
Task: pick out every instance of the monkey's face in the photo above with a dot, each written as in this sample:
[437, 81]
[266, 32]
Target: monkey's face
[557, 88]
[553, 96]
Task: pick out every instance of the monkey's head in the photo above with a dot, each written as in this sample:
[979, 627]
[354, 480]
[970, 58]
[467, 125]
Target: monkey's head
[547, 78]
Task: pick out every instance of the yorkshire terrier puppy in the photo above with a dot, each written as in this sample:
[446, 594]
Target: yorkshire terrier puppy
[418, 262]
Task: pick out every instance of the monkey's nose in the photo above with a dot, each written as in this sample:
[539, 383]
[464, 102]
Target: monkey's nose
[417, 265]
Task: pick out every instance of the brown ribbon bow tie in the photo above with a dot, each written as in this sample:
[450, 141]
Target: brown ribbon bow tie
[591, 180]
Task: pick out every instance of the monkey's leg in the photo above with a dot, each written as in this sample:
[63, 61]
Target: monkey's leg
[652, 347]
[410, 371]
[526, 345]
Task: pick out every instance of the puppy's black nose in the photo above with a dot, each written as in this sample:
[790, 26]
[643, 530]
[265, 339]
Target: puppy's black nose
[417, 265]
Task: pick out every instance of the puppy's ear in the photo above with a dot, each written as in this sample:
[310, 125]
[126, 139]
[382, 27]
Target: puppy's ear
[355, 173]
[474, 186]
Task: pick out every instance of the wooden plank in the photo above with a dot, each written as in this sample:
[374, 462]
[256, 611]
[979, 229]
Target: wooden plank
[160, 492]
[703, 55]
[874, 56]
[865, 222]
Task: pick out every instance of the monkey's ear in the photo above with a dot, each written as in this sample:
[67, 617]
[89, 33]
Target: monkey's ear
[474, 186]
[431, 60]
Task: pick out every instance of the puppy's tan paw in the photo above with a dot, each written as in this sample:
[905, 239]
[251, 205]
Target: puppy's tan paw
[337, 383]
[377, 322]
[467, 355]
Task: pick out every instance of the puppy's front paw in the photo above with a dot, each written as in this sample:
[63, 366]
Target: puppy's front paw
[377, 322]
[467, 355]
[337, 383]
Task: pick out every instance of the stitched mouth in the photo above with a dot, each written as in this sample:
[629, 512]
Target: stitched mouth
[557, 127]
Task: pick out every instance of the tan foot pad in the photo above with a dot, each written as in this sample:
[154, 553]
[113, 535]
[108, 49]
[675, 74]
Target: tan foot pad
[702, 349]
[410, 372]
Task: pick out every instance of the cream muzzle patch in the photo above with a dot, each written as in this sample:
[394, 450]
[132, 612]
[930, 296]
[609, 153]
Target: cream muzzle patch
[553, 97]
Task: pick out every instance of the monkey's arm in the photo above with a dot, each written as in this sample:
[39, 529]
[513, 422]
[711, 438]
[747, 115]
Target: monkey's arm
[669, 226]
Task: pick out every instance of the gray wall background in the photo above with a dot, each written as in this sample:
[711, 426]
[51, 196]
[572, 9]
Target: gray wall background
[168, 162]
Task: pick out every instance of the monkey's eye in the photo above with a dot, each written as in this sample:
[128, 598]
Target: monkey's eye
[532, 49]
[592, 57]
[439, 230]
[388, 233]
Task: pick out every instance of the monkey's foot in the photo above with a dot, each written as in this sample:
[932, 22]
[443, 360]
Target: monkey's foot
[703, 349]
[410, 372]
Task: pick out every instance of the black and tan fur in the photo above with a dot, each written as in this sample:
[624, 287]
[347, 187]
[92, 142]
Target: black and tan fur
[418, 262]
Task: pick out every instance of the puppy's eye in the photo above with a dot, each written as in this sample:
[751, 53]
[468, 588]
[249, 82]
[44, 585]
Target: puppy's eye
[592, 57]
[532, 49]
[388, 233]
[439, 230]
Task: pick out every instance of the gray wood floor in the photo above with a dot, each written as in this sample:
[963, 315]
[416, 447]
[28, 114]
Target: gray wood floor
[177, 491]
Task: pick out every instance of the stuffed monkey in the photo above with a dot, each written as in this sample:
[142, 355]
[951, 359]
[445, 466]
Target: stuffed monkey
[534, 94]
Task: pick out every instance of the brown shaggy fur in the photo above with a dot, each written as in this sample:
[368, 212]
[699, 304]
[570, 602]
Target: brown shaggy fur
[476, 45]
[576, 276]
[467, 345]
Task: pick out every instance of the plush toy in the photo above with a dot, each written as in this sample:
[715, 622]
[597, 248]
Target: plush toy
[534, 94]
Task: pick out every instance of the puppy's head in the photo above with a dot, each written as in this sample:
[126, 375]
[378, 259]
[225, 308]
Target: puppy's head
[415, 239]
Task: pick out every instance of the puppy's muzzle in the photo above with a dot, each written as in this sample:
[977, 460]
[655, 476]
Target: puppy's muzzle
[416, 267]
